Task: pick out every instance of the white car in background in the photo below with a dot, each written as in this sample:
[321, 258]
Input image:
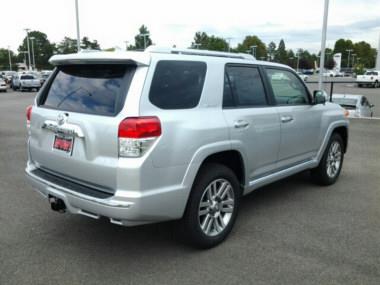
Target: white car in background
[357, 106]
[370, 78]
[26, 82]
[304, 77]
[3, 85]
[329, 73]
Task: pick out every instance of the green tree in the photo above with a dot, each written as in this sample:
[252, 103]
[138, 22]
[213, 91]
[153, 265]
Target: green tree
[281, 54]
[67, 45]
[366, 53]
[42, 47]
[291, 58]
[204, 41]
[4, 59]
[343, 46]
[142, 39]
[87, 44]
[248, 42]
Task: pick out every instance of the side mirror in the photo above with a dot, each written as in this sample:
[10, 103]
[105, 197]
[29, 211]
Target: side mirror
[319, 97]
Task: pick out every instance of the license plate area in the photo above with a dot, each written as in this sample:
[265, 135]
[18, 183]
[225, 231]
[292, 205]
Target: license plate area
[63, 143]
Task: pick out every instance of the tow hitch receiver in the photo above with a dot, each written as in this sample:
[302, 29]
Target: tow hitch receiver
[57, 204]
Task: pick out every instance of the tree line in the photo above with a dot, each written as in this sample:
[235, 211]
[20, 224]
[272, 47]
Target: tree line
[357, 55]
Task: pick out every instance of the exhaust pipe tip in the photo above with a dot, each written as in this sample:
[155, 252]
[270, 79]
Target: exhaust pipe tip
[57, 204]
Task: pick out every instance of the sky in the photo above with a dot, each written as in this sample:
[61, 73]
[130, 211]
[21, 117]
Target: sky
[112, 22]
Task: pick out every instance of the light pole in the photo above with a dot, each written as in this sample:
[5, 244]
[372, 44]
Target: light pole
[298, 60]
[348, 58]
[144, 36]
[323, 44]
[229, 43]
[27, 41]
[253, 47]
[77, 19]
[10, 60]
[353, 59]
[34, 61]
[24, 52]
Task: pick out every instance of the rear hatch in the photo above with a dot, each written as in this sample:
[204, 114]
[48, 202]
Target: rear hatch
[29, 80]
[74, 132]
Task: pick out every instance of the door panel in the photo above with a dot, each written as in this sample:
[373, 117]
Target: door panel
[254, 125]
[300, 120]
[259, 134]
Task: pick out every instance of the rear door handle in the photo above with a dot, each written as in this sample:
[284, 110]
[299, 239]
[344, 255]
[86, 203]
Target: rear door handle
[286, 119]
[241, 124]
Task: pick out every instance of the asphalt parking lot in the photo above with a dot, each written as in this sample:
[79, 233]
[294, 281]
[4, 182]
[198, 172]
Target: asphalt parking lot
[291, 232]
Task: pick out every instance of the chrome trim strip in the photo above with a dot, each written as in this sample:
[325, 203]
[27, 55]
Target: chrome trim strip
[67, 129]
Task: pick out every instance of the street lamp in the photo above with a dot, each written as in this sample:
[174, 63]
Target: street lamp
[298, 60]
[348, 59]
[34, 61]
[24, 52]
[229, 43]
[10, 60]
[27, 40]
[353, 59]
[253, 47]
[144, 36]
[323, 44]
[77, 20]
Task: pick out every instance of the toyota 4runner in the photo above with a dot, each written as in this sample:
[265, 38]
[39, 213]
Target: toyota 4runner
[165, 134]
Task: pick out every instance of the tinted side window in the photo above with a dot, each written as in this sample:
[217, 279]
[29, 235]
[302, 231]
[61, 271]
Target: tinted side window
[246, 86]
[287, 87]
[177, 84]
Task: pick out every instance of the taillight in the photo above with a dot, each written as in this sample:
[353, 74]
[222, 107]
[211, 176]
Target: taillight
[28, 114]
[137, 134]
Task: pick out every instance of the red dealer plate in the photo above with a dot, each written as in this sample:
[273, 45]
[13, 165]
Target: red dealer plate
[63, 143]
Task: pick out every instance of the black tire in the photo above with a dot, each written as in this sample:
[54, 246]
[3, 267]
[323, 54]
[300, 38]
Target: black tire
[320, 174]
[359, 85]
[191, 230]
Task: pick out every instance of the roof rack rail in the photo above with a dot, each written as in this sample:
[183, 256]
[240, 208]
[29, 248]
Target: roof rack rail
[156, 49]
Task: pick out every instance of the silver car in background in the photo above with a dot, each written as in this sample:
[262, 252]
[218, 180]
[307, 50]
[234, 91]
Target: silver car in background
[357, 106]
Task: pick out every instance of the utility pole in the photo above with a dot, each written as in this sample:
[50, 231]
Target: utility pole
[348, 58]
[10, 59]
[323, 44]
[253, 47]
[77, 19]
[378, 57]
[34, 61]
[229, 43]
[298, 60]
[27, 41]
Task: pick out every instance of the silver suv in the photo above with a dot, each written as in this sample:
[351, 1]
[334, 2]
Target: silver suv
[165, 134]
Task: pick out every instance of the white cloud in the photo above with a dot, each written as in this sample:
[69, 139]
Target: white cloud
[170, 22]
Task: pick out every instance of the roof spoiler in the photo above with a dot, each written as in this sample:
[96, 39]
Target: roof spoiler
[99, 57]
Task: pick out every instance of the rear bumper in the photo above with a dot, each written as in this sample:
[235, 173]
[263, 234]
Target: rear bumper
[126, 208]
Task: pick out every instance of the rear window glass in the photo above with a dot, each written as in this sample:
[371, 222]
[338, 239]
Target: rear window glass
[91, 89]
[345, 101]
[177, 84]
[26, 77]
